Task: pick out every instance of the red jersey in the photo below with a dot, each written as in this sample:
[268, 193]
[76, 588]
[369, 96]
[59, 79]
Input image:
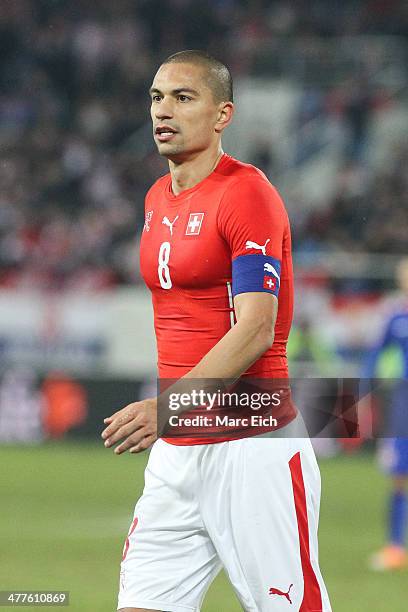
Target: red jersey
[228, 234]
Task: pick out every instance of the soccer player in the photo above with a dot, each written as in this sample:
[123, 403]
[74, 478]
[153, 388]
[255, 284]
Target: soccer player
[394, 451]
[216, 255]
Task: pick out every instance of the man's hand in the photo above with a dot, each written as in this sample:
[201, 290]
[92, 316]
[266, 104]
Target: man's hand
[136, 425]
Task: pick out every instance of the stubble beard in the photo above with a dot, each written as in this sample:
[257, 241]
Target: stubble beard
[173, 152]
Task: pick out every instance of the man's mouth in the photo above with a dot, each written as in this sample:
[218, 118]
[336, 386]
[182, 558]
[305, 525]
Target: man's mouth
[164, 133]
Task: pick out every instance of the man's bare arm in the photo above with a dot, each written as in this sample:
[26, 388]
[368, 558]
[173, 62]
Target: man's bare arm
[244, 343]
[240, 347]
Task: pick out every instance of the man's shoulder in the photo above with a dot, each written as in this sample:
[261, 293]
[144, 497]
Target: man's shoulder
[400, 316]
[246, 182]
[235, 170]
[395, 307]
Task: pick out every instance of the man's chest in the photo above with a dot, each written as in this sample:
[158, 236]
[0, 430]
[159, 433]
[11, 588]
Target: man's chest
[181, 246]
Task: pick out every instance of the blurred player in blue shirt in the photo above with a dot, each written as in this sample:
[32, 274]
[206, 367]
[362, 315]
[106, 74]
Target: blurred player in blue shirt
[394, 555]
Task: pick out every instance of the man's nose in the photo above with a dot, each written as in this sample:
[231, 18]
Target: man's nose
[164, 109]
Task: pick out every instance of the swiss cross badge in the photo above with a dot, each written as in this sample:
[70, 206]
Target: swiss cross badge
[269, 283]
[194, 224]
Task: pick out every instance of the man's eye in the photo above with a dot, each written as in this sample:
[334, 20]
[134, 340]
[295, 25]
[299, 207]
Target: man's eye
[156, 98]
[183, 98]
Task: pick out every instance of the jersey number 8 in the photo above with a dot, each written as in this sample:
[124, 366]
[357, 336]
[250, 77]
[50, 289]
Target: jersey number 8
[163, 269]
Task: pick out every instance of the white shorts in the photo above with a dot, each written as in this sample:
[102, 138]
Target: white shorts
[250, 506]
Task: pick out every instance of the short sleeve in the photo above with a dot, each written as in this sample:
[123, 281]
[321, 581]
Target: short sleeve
[253, 220]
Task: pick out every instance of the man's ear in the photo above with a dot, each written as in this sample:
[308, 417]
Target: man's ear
[225, 114]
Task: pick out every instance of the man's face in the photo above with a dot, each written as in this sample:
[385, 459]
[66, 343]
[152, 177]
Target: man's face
[184, 113]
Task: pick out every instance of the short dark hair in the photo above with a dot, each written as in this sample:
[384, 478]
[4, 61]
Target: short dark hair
[219, 78]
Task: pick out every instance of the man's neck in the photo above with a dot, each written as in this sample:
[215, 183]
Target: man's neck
[187, 174]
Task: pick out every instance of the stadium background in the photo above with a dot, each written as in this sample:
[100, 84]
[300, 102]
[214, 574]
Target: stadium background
[321, 96]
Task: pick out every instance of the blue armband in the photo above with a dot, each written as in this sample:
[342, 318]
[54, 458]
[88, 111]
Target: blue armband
[255, 273]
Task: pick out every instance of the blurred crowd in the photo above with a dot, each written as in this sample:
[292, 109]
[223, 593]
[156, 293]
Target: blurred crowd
[367, 213]
[76, 150]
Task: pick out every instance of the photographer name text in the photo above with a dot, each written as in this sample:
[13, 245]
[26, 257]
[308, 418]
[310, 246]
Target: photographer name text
[255, 420]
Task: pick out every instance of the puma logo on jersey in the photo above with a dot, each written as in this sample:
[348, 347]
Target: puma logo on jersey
[269, 268]
[169, 223]
[253, 245]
